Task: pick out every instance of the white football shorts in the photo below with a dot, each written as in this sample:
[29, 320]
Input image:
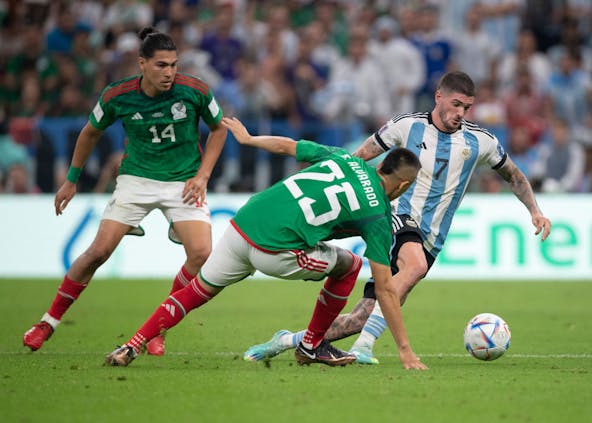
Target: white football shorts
[134, 197]
[234, 258]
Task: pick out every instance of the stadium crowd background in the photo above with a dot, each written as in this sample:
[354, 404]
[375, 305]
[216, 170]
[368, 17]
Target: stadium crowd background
[329, 71]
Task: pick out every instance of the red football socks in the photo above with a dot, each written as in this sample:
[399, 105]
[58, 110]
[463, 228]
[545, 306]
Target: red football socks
[68, 292]
[170, 312]
[181, 280]
[330, 302]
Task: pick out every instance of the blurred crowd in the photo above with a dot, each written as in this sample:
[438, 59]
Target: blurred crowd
[329, 71]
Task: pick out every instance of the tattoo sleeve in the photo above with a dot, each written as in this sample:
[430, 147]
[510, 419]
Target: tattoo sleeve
[369, 149]
[351, 323]
[519, 185]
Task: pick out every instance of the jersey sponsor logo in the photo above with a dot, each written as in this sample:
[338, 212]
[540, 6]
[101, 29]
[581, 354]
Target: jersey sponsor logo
[179, 110]
[213, 107]
[137, 116]
[98, 112]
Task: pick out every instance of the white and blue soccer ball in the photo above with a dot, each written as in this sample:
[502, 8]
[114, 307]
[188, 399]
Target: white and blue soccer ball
[487, 336]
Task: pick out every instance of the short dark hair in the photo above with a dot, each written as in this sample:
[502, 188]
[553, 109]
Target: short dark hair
[458, 82]
[397, 159]
[152, 40]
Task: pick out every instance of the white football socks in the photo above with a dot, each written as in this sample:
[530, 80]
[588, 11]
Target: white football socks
[373, 328]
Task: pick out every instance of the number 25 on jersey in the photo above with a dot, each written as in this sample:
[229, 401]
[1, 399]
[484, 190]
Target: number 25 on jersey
[330, 192]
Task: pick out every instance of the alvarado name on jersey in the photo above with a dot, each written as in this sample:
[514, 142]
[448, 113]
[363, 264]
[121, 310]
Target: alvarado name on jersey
[365, 181]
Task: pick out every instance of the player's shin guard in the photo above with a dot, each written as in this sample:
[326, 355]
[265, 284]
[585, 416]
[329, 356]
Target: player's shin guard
[170, 312]
[330, 302]
[68, 292]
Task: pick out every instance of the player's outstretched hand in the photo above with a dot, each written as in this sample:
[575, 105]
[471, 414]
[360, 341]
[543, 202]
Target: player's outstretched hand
[410, 361]
[63, 196]
[237, 128]
[541, 223]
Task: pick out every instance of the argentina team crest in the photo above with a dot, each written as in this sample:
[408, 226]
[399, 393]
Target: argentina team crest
[411, 222]
[179, 110]
[466, 153]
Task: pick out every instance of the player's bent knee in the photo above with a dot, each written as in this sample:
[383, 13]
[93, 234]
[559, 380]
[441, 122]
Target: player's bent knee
[414, 269]
[418, 271]
[198, 256]
[344, 263]
[342, 286]
[205, 287]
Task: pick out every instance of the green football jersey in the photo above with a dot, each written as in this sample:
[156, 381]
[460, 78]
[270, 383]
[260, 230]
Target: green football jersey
[338, 196]
[162, 131]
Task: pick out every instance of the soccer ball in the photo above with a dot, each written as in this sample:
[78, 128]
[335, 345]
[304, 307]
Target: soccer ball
[487, 336]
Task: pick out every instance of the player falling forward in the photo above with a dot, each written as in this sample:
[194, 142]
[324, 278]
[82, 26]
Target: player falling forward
[281, 232]
[449, 149]
[162, 168]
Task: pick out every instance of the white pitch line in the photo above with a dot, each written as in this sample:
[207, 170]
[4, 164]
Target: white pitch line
[587, 356]
[454, 355]
[239, 354]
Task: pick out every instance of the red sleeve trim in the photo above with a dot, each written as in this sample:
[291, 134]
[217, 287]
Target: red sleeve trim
[120, 89]
[191, 82]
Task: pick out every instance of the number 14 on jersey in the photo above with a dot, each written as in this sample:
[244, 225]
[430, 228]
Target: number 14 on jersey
[167, 132]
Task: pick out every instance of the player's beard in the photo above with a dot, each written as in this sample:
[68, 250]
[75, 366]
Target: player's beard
[448, 123]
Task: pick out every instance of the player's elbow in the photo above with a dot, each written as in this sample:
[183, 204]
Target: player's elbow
[287, 147]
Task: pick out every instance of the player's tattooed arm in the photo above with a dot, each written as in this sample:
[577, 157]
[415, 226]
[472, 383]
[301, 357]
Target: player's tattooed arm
[369, 149]
[523, 191]
[519, 184]
[349, 324]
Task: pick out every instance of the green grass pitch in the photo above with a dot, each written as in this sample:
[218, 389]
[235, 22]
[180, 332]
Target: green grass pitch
[546, 376]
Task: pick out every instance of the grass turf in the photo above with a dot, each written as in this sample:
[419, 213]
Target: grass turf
[544, 377]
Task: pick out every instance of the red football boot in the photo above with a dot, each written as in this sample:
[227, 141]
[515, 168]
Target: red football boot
[156, 345]
[37, 335]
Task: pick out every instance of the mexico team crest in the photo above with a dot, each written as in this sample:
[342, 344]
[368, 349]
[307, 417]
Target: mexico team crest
[179, 110]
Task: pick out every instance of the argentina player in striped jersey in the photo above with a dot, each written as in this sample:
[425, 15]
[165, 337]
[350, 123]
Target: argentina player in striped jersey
[449, 149]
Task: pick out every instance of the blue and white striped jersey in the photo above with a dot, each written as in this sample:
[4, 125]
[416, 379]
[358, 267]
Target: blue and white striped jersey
[447, 163]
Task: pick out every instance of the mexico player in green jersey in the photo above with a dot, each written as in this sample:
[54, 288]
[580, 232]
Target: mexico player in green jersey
[282, 232]
[162, 167]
